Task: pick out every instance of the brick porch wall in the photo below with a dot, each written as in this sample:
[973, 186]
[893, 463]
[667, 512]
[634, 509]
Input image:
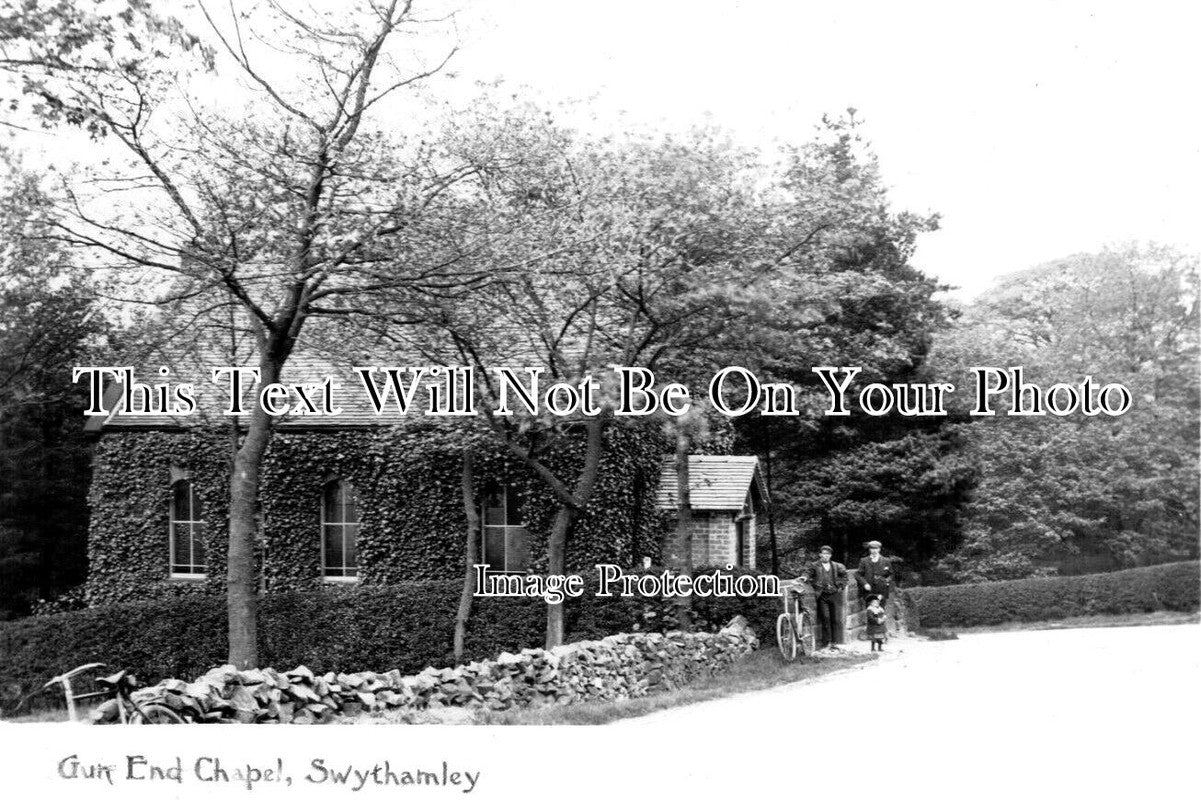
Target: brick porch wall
[713, 540]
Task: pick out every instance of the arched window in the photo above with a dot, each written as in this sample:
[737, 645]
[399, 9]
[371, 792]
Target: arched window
[505, 546]
[339, 531]
[187, 530]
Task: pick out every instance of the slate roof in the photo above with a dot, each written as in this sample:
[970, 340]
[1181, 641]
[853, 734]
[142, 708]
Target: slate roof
[715, 483]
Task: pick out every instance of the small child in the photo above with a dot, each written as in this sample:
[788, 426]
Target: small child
[876, 629]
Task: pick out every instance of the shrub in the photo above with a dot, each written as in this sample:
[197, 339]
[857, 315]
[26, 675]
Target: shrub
[405, 626]
[1174, 587]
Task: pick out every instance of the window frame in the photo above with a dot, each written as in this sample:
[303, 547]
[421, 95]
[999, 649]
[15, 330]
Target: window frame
[345, 487]
[506, 490]
[196, 570]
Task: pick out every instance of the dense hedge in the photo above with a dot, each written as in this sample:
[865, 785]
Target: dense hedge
[405, 626]
[1175, 587]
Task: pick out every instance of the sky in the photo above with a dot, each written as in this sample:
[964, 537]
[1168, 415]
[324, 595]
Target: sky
[1036, 129]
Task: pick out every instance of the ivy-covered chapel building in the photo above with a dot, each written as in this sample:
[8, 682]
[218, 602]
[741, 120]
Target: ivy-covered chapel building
[377, 499]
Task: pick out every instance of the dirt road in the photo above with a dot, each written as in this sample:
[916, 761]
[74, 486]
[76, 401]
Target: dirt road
[1103, 711]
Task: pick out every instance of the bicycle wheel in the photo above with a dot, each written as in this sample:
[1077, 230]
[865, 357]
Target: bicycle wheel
[785, 637]
[806, 636]
[154, 714]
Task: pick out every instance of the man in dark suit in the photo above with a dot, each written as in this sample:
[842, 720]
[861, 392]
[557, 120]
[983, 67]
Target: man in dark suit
[875, 574]
[828, 578]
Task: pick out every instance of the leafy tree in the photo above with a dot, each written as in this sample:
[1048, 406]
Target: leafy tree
[685, 255]
[1105, 492]
[846, 294]
[48, 324]
[597, 250]
[282, 211]
[908, 490]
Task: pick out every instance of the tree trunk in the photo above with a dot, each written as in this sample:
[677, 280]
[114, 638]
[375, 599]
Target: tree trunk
[47, 535]
[556, 545]
[556, 558]
[241, 567]
[241, 587]
[683, 527]
[771, 511]
[472, 555]
[823, 537]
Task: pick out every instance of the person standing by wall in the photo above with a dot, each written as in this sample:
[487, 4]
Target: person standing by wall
[875, 573]
[828, 578]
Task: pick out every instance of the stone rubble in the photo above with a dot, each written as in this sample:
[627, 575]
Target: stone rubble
[617, 667]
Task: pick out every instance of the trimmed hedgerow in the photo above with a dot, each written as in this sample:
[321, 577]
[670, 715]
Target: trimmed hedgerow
[406, 626]
[1174, 587]
[408, 481]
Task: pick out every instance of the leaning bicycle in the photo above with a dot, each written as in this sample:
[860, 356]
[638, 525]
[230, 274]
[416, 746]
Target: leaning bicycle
[117, 689]
[794, 627]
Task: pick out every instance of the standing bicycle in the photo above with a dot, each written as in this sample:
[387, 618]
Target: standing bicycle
[794, 627]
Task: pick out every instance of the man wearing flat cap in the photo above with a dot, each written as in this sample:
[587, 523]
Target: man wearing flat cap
[875, 574]
[828, 578]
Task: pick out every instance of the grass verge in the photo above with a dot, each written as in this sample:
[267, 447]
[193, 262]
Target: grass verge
[56, 713]
[41, 715]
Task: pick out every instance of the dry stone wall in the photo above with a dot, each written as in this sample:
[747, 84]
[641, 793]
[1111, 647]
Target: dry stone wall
[622, 666]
